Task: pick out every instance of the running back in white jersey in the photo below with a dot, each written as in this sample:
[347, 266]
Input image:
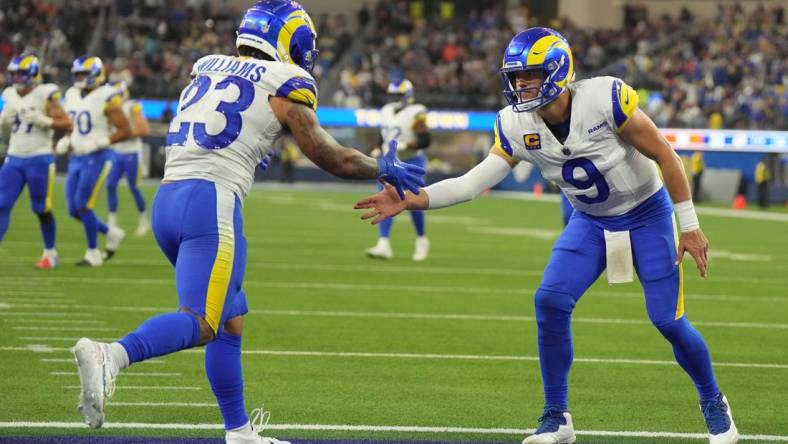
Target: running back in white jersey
[28, 140]
[225, 125]
[87, 113]
[398, 123]
[600, 173]
[134, 144]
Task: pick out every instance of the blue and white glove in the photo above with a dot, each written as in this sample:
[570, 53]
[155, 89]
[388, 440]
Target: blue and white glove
[403, 176]
[265, 162]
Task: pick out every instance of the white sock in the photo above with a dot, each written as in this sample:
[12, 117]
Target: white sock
[119, 356]
[384, 242]
[246, 428]
[143, 217]
[50, 252]
[112, 219]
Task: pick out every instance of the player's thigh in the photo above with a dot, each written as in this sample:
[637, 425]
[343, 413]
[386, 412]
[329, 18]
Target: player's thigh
[212, 256]
[93, 173]
[72, 183]
[40, 183]
[654, 254]
[12, 180]
[117, 170]
[577, 258]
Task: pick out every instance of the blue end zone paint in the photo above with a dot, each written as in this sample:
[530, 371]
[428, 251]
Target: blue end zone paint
[132, 440]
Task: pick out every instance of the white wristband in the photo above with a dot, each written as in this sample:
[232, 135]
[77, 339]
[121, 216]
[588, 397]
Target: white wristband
[688, 219]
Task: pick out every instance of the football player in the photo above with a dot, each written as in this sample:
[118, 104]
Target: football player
[94, 107]
[593, 141]
[32, 112]
[127, 161]
[405, 122]
[228, 119]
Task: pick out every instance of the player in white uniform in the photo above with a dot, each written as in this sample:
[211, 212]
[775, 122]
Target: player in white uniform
[592, 140]
[127, 161]
[228, 119]
[31, 113]
[95, 108]
[405, 122]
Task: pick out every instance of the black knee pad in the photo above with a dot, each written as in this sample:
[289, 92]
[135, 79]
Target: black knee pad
[46, 218]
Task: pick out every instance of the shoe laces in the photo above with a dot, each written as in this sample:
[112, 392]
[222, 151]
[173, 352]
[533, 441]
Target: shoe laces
[715, 412]
[258, 418]
[551, 419]
[109, 380]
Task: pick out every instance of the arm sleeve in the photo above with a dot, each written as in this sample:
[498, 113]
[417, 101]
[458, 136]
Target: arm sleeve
[485, 175]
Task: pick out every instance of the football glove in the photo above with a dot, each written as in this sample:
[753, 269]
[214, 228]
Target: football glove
[265, 162]
[63, 145]
[403, 176]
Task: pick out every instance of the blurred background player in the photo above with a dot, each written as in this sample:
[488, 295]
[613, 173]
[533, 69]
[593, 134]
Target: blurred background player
[623, 213]
[229, 118]
[32, 111]
[405, 122]
[127, 161]
[95, 108]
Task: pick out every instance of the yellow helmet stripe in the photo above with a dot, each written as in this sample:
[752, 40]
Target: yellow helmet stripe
[26, 62]
[539, 49]
[294, 21]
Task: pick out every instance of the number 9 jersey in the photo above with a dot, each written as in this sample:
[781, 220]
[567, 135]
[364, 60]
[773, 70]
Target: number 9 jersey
[600, 173]
[225, 125]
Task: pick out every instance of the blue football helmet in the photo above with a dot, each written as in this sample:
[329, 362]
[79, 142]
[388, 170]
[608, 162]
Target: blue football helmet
[542, 51]
[24, 71]
[401, 91]
[88, 72]
[280, 29]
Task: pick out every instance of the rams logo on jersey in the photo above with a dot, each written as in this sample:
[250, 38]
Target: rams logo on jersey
[532, 141]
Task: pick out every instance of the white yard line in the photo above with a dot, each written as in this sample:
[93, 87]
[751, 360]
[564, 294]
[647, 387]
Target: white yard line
[60, 338]
[374, 428]
[162, 404]
[54, 321]
[143, 387]
[65, 328]
[36, 314]
[71, 361]
[152, 374]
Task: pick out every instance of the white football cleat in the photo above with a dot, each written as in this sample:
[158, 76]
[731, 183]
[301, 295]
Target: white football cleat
[555, 427]
[422, 249]
[96, 379]
[143, 227]
[719, 420]
[248, 434]
[92, 258]
[114, 237]
[382, 250]
[48, 260]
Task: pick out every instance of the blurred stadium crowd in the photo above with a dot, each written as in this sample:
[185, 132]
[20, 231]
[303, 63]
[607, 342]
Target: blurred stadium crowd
[727, 72]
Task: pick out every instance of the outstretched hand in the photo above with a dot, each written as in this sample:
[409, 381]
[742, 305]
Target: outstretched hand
[386, 203]
[695, 243]
[403, 176]
[265, 162]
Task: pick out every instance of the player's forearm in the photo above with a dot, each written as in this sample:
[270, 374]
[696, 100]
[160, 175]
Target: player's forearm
[62, 123]
[483, 176]
[675, 178]
[120, 134]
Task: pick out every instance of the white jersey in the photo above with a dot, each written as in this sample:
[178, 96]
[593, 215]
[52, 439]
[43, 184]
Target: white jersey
[133, 145]
[28, 140]
[225, 125]
[600, 173]
[398, 123]
[87, 113]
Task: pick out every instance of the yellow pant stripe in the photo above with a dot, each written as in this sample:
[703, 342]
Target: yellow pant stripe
[680, 298]
[50, 188]
[222, 270]
[99, 183]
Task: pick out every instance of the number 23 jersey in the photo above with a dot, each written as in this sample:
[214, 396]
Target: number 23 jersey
[600, 173]
[225, 125]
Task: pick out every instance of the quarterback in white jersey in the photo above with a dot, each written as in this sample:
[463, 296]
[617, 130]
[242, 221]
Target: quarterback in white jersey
[593, 141]
[404, 123]
[95, 108]
[228, 118]
[31, 113]
[126, 161]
